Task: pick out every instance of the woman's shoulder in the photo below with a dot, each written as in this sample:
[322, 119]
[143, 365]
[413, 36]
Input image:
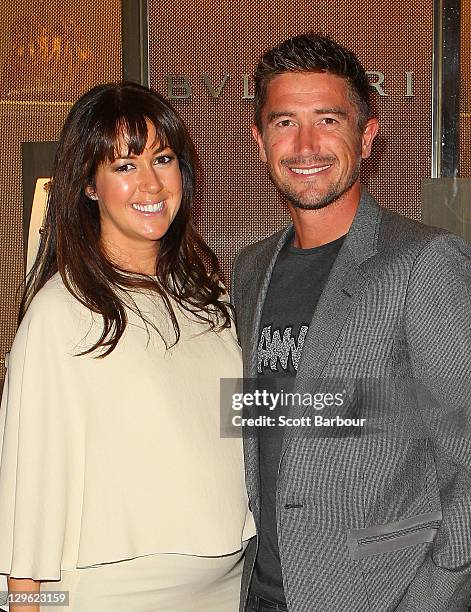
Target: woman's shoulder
[49, 295]
[55, 322]
[54, 306]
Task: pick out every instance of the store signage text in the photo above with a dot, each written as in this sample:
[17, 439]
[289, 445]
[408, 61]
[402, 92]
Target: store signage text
[180, 87]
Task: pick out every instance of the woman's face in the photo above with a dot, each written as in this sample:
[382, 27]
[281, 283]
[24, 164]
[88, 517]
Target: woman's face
[138, 198]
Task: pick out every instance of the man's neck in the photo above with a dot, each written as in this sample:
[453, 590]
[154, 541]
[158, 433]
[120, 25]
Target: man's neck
[317, 227]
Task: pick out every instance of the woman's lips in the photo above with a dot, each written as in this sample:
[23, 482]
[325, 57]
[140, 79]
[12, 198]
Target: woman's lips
[149, 208]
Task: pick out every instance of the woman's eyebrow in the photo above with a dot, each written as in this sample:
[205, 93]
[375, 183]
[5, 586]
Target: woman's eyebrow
[155, 149]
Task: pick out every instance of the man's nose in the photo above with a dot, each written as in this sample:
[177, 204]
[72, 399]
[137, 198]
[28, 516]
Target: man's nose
[307, 141]
[149, 180]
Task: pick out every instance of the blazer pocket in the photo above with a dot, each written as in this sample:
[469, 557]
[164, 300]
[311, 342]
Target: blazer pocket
[369, 541]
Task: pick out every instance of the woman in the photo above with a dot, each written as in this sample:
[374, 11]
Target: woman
[114, 479]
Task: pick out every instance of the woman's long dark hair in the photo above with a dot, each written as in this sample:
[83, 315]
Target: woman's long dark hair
[187, 270]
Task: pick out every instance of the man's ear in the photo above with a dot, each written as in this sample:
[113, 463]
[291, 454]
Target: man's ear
[259, 140]
[369, 134]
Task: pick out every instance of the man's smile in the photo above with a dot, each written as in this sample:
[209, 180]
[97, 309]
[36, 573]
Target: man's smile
[313, 170]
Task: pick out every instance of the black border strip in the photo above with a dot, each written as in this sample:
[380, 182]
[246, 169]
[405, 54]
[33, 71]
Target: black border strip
[135, 41]
[446, 88]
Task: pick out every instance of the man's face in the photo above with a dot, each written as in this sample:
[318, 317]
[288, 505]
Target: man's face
[310, 138]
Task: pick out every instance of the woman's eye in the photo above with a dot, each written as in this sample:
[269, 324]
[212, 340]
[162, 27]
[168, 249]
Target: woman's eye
[124, 168]
[163, 159]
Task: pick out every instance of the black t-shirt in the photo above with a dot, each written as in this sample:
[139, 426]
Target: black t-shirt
[297, 281]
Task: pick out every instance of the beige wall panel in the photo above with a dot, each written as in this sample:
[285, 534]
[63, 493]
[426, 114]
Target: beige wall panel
[239, 205]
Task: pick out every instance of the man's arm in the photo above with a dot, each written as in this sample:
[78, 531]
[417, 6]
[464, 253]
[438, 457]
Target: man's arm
[438, 321]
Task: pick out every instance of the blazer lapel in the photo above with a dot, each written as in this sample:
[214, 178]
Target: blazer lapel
[344, 288]
[263, 268]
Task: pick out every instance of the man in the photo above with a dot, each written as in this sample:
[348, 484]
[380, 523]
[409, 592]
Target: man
[357, 300]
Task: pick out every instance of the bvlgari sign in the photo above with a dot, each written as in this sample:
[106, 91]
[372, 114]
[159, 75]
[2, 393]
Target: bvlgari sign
[180, 87]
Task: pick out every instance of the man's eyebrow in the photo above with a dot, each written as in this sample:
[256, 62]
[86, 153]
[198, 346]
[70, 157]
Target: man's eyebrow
[331, 111]
[276, 114]
[341, 112]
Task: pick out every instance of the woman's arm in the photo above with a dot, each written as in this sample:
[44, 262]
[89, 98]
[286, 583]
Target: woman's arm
[23, 585]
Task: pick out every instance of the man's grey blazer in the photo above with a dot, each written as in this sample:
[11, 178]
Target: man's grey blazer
[378, 520]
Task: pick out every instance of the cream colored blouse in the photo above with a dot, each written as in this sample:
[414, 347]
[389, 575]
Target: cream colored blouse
[108, 459]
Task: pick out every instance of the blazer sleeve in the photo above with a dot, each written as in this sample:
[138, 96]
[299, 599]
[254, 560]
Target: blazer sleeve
[438, 323]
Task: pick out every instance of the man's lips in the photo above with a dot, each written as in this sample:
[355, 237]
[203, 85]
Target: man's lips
[308, 166]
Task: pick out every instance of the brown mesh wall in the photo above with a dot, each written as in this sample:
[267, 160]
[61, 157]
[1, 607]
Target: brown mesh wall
[217, 38]
[465, 90]
[50, 52]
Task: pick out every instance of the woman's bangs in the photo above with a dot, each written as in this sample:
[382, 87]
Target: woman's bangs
[129, 137]
[164, 136]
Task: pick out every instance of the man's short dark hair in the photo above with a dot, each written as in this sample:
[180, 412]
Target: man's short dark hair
[313, 52]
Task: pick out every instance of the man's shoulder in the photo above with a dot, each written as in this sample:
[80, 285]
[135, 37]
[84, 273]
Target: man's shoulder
[395, 220]
[425, 248]
[394, 230]
[402, 233]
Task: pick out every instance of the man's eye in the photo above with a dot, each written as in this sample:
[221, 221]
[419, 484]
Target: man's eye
[329, 121]
[284, 123]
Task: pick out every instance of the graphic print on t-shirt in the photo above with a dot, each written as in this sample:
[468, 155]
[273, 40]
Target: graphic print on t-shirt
[279, 352]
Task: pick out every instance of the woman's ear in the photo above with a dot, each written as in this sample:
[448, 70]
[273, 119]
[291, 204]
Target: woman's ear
[90, 192]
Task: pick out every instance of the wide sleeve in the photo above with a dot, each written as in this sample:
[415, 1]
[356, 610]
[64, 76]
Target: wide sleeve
[38, 463]
[438, 319]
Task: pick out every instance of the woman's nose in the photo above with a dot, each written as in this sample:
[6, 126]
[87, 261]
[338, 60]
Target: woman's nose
[150, 181]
